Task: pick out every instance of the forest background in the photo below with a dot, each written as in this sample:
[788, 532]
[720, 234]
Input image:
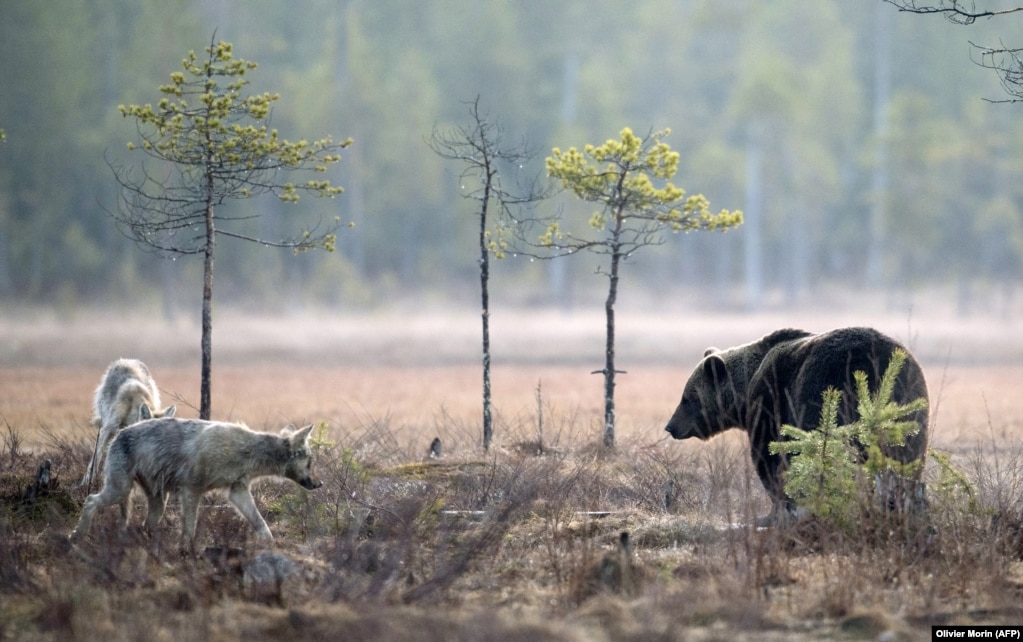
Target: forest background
[856, 139]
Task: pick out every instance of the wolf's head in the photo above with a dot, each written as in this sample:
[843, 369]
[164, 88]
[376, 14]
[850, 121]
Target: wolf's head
[145, 412]
[300, 460]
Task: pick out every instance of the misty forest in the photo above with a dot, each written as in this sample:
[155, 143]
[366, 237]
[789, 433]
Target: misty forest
[866, 147]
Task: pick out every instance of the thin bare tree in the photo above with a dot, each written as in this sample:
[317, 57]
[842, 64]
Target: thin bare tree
[481, 149]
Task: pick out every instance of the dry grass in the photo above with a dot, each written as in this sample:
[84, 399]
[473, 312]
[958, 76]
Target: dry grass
[509, 544]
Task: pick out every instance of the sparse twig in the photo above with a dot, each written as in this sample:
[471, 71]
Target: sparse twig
[12, 443]
[957, 11]
[539, 416]
[179, 399]
[1007, 62]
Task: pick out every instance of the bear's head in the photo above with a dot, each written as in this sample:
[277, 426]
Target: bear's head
[716, 397]
[708, 401]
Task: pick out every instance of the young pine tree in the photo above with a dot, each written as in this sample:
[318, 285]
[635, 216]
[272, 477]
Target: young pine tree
[828, 475]
[207, 141]
[630, 182]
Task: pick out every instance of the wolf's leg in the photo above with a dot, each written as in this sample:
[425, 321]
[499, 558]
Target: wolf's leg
[116, 490]
[189, 514]
[85, 522]
[241, 497]
[95, 423]
[106, 435]
[157, 504]
[125, 510]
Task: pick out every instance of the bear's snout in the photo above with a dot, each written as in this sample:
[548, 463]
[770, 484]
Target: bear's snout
[673, 430]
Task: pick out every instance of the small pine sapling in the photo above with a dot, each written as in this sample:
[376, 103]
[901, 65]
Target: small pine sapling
[827, 473]
[822, 475]
[883, 424]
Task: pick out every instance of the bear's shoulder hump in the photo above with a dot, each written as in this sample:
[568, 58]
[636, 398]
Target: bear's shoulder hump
[783, 335]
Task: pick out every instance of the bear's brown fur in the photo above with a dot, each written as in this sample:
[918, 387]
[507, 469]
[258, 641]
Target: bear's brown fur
[779, 379]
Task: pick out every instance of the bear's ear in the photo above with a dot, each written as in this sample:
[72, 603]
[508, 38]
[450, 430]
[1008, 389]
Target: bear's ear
[714, 369]
[710, 351]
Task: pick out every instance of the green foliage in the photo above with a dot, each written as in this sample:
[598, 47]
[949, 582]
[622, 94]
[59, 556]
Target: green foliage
[952, 487]
[391, 76]
[620, 175]
[882, 422]
[497, 246]
[299, 513]
[825, 474]
[218, 138]
[320, 440]
[354, 472]
[215, 143]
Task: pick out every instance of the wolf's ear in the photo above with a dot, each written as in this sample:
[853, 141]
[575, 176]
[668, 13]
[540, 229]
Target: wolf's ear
[302, 435]
[145, 412]
[170, 411]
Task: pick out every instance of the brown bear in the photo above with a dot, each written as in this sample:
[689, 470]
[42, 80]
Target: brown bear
[778, 380]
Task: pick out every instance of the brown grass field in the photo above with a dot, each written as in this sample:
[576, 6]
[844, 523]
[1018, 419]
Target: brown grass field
[521, 543]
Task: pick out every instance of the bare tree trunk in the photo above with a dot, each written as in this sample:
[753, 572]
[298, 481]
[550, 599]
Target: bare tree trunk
[6, 284]
[488, 425]
[480, 148]
[752, 220]
[879, 176]
[609, 310]
[207, 318]
[205, 396]
[609, 353]
[609, 348]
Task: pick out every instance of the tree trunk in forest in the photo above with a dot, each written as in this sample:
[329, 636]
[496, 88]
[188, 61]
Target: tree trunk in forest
[207, 319]
[879, 177]
[609, 354]
[488, 424]
[752, 221]
[205, 385]
[6, 284]
[609, 348]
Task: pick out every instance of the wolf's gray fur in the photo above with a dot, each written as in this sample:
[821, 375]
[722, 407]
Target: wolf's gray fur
[191, 457]
[126, 395]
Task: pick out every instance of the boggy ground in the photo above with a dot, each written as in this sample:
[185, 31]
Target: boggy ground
[522, 542]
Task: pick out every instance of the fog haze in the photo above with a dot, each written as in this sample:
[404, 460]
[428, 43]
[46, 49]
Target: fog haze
[856, 139]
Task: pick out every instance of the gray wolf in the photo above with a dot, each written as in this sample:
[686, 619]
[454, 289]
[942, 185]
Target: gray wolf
[190, 457]
[126, 395]
[779, 379]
